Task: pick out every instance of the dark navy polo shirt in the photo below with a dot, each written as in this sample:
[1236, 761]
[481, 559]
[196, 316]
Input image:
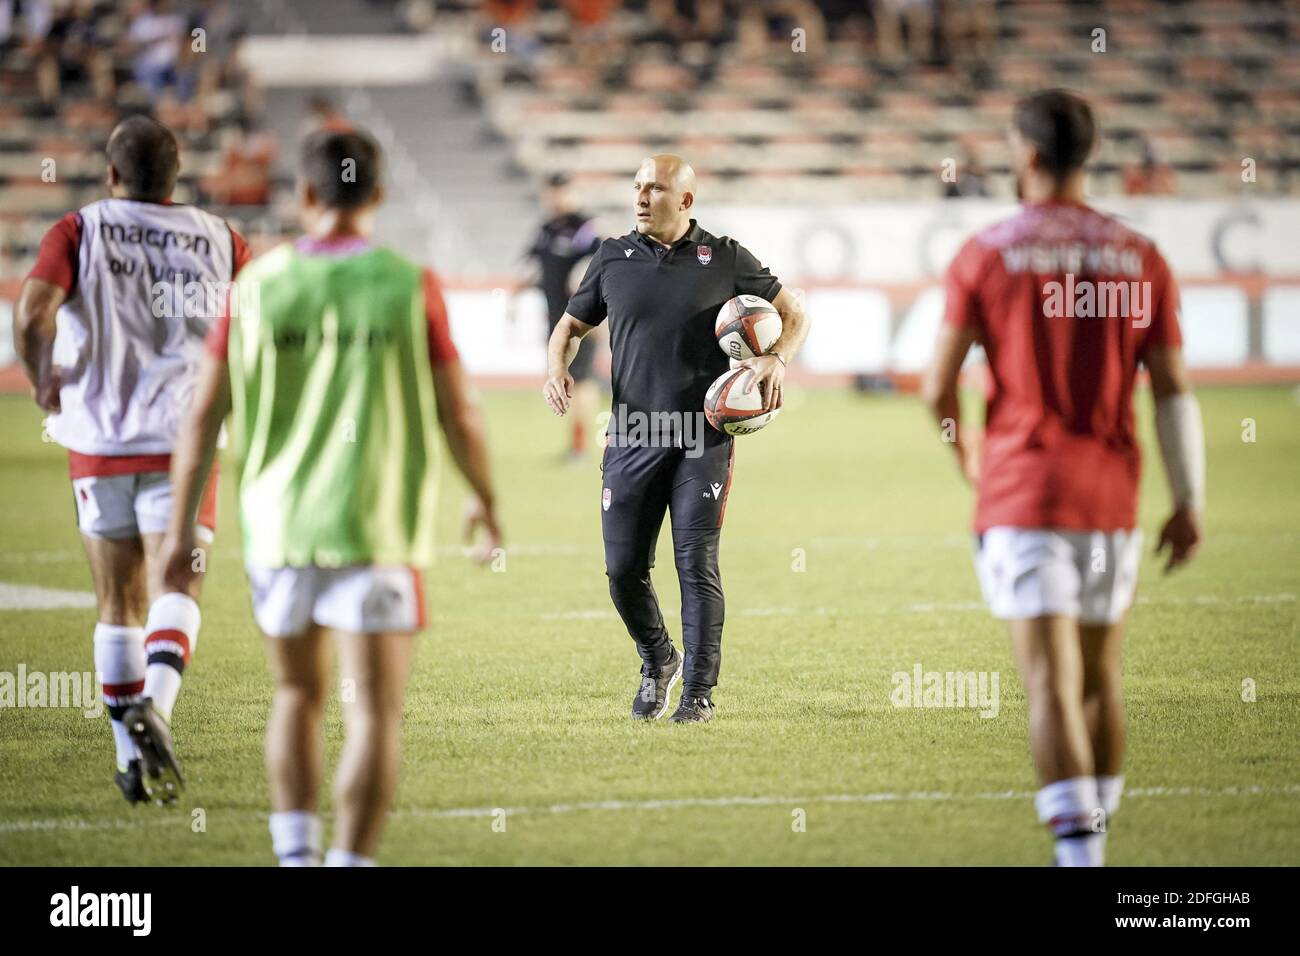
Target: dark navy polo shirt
[662, 304]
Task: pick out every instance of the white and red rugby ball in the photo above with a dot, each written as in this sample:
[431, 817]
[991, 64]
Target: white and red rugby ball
[747, 326]
[730, 409]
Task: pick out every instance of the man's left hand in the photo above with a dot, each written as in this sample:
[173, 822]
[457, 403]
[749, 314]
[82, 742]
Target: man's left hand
[767, 373]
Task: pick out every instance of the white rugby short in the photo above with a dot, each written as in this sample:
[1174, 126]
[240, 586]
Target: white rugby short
[1036, 572]
[126, 506]
[364, 599]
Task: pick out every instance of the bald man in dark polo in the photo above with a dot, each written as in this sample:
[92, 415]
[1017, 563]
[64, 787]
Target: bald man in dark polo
[661, 287]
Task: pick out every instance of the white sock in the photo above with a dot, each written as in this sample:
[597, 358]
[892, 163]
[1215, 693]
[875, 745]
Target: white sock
[337, 857]
[1109, 790]
[119, 664]
[172, 631]
[296, 837]
[1071, 810]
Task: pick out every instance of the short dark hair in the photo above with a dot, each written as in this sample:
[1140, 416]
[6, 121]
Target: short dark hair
[342, 168]
[1060, 126]
[146, 157]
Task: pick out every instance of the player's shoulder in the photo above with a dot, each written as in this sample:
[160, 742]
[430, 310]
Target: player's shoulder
[94, 210]
[973, 255]
[1060, 222]
[701, 236]
[722, 248]
[389, 258]
[1021, 226]
[271, 262]
[175, 212]
[69, 224]
[1118, 229]
[212, 219]
[613, 247]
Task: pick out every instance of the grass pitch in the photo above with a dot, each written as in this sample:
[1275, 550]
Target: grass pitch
[846, 559]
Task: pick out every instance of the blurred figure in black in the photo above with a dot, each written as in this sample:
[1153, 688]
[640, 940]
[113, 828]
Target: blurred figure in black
[971, 179]
[563, 241]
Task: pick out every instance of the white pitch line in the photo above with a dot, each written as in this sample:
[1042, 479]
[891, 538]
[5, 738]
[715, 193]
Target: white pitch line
[595, 614]
[1200, 600]
[165, 818]
[909, 797]
[930, 607]
[29, 597]
[41, 557]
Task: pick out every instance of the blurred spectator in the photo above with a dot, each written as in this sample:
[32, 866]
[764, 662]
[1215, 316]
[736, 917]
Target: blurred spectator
[208, 55]
[972, 180]
[181, 117]
[906, 28]
[37, 17]
[323, 115]
[969, 28]
[848, 20]
[590, 31]
[66, 45]
[588, 13]
[1149, 177]
[6, 22]
[679, 22]
[64, 60]
[155, 41]
[507, 27]
[764, 26]
[244, 174]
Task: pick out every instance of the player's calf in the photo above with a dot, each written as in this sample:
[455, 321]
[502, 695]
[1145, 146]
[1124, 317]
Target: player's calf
[171, 633]
[120, 663]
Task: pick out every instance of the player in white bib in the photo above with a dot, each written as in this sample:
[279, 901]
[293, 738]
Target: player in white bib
[110, 326]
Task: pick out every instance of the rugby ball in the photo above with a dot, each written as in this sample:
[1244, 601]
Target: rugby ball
[747, 326]
[731, 409]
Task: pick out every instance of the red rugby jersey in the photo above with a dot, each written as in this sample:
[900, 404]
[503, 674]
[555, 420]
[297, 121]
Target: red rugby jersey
[1042, 291]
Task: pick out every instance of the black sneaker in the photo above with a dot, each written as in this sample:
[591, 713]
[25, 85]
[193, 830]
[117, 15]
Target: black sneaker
[651, 698]
[130, 783]
[162, 778]
[693, 710]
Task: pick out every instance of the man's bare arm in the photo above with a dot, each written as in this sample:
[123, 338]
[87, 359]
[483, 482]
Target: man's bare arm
[561, 350]
[192, 457]
[462, 424]
[939, 391]
[1182, 446]
[35, 326]
[768, 369]
[794, 326]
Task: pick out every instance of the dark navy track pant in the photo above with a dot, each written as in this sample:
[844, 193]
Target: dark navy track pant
[640, 485]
